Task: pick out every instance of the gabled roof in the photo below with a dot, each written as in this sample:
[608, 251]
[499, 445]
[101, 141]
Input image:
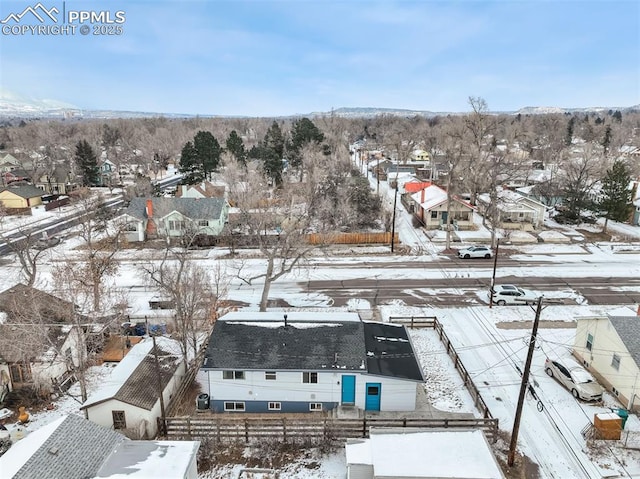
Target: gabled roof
[133, 381]
[512, 201]
[24, 191]
[628, 328]
[22, 300]
[68, 448]
[271, 345]
[305, 344]
[389, 352]
[192, 208]
[433, 197]
[206, 189]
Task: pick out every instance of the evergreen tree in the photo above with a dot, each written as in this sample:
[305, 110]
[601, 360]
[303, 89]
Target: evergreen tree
[235, 146]
[87, 163]
[208, 152]
[190, 166]
[303, 133]
[272, 153]
[569, 137]
[616, 196]
[606, 141]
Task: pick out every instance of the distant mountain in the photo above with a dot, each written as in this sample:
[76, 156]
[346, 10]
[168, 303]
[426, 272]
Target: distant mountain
[17, 106]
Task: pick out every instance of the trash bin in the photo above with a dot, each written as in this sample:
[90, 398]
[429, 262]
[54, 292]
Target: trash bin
[624, 414]
[202, 402]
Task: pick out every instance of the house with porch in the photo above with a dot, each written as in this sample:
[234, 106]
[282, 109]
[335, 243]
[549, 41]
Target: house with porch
[431, 205]
[515, 211]
[129, 400]
[609, 347]
[57, 181]
[149, 218]
[301, 362]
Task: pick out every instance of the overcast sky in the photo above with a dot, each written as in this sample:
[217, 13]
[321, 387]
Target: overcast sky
[268, 57]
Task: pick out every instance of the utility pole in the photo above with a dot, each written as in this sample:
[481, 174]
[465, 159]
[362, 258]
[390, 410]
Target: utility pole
[393, 218]
[493, 276]
[523, 387]
[163, 415]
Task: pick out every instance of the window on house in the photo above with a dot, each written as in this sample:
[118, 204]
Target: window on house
[615, 362]
[68, 355]
[275, 406]
[20, 372]
[130, 227]
[176, 225]
[589, 342]
[309, 377]
[233, 406]
[119, 420]
[203, 223]
[270, 375]
[315, 406]
[232, 374]
[434, 215]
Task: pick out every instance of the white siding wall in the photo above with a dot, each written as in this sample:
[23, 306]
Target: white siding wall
[626, 379]
[44, 372]
[397, 394]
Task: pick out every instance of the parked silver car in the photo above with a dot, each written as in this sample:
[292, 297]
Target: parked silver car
[475, 252]
[575, 378]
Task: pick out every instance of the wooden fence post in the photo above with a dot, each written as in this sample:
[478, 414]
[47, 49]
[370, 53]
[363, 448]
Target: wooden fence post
[364, 427]
[189, 427]
[246, 431]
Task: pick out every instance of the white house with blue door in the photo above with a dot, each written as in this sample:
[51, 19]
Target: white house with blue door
[259, 362]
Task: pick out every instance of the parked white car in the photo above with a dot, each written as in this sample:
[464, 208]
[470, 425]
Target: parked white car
[575, 378]
[511, 294]
[475, 252]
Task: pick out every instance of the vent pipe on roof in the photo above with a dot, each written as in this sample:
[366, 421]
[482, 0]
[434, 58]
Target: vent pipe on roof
[285, 320]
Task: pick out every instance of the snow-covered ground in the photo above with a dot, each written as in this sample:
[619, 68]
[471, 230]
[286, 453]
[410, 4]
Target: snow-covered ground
[550, 437]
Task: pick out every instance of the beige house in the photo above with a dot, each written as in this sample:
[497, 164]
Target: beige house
[610, 348]
[430, 205]
[21, 196]
[515, 211]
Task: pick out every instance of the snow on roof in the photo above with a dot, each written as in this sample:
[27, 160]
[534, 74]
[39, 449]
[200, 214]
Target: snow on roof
[443, 454]
[151, 459]
[22, 451]
[128, 365]
[292, 316]
[433, 196]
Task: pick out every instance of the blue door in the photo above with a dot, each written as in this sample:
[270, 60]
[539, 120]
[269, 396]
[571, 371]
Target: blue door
[348, 389]
[372, 401]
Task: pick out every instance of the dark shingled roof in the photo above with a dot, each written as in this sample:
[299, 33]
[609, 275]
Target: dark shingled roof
[313, 347]
[76, 449]
[389, 352]
[141, 389]
[24, 191]
[192, 208]
[628, 328]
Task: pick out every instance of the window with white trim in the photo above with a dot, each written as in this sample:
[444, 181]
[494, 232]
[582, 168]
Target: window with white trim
[275, 406]
[589, 342]
[310, 378]
[232, 374]
[315, 406]
[233, 406]
[615, 362]
[270, 375]
[203, 223]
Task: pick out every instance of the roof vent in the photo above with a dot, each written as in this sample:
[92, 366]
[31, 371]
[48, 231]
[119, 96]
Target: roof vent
[54, 451]
[285, 320]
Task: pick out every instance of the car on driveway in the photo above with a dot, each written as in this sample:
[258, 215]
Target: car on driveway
[475, 252]
[575, 378]
[510, 294]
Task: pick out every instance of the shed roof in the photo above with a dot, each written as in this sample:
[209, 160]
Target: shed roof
[129, 381]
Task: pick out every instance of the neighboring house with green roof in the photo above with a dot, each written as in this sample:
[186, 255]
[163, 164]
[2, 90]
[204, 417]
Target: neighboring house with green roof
[609, 347]
[149, 218]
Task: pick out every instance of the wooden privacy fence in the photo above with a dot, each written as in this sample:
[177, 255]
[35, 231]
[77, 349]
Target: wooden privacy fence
[432, 322]
[352, 238]
[234, 429]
